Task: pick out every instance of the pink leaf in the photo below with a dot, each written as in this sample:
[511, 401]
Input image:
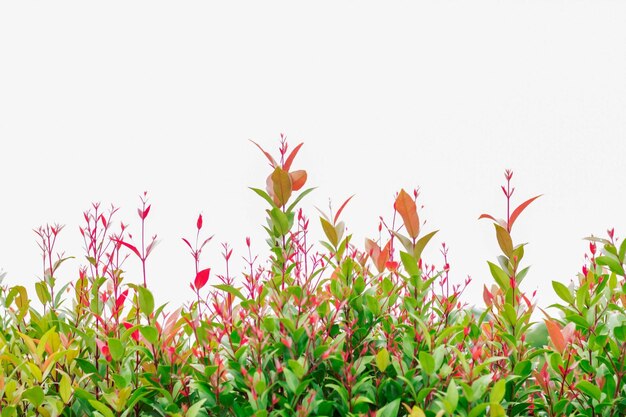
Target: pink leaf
[188, 244]
[201, 278]
[129, 246]
[199, 222]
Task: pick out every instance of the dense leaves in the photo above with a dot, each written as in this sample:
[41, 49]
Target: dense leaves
[334, 330]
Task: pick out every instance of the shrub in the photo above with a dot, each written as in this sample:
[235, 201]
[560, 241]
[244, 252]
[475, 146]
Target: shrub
[328, 330]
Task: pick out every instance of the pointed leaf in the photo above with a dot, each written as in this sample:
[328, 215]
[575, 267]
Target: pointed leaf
[129, 246]
[554, 331]
[389, 410]
[613, 264]
[589, 389]
[265, 196]
[290, 158]
[502, 279]
[504, 240]
[341, 208]
[421, 244]
[201, 278]
[330, 231]
[405, 205]
[267, 155]
[563, 292]
[519, 210]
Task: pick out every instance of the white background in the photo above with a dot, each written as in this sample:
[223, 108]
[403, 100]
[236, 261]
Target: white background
[102, 101]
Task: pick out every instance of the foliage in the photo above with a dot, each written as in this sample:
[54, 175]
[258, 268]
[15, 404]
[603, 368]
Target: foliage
[332, 330]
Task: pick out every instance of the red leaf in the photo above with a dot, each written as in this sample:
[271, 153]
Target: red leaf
[298, 178]
[267, 155]
[120, 300]
[291, 156]
[199, 222]
[129, 246]
[201, 278]
[143, 214]
[406, 207]
[487, 216]
[341, 208]
[188, 244]
[519, 210]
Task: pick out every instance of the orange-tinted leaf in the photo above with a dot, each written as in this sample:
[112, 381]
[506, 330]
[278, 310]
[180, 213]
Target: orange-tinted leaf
[298, 178]
[341, 208]
[267, 155]
[554, 331]
[487, 296]
[504, 240]
[290, 158]
[406, 207]
[330, 231]
[487, 216]
[269, 186]
[519, 210]
[281, 185]
[384, 257]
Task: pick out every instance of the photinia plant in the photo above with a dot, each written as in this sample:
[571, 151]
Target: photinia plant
[330, 328]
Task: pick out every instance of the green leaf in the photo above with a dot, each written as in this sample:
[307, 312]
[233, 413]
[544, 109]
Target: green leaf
[427, 362]
[421, 244]
[479, 410]
[34, 395]
[409, 263]
[279, 221]
[497, 392]
[622, 250]
[502, 279]
[150, 333]
[98, 406]
[523, 368]
[146, 300]
[389, 410]
[116, 348]
[300, 197]
[563, 292]
[265, 196]
[330, 231]
[590, 389]
[65, 388]
[382, 359]
[452, 397]
[195, 409]
[42, 292]
[230, 289]
[613, 264]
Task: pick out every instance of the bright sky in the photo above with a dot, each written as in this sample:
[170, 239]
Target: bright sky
[103, 101]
